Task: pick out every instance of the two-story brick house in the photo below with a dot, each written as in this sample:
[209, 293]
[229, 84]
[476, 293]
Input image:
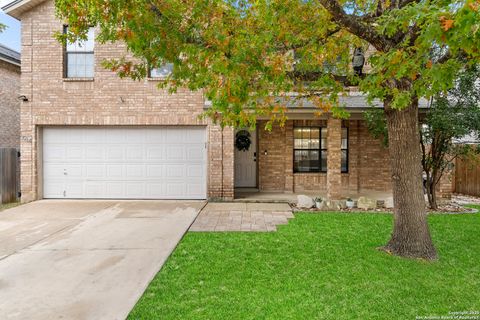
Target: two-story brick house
[88, 134]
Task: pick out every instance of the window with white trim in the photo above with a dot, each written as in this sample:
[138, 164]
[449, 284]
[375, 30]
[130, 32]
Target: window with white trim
[79, 57]
[310, 149]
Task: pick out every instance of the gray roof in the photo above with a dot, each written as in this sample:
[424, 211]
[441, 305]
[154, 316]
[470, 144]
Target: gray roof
[9, 55]
[353, 102]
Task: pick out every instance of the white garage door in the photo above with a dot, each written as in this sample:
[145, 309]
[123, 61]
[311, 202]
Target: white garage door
[124, 163]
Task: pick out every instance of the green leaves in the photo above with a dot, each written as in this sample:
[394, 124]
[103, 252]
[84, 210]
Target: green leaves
[242, 53]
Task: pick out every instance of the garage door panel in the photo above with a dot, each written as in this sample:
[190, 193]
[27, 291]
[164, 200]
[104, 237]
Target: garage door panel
[94, 171]
[55, 152]
[75, 135]
[94, 189]
[134, 136]
[54, 189]
[93, 152]
[176, 171]
[115, 171]
[93, 136]
[195, 152]
[115, 189]
[53, 170]
[115, 153]
[174, 135]
[156, 190]
[174, 152]
[74, 189]
[195, 171]
[195, 137]
[53, 137]
[134, 190]
[73, 171]
[155, 152]
[176, 190]
[74, 152]
[115, 135]
[134, 152]
[134, 170]
[130, 163]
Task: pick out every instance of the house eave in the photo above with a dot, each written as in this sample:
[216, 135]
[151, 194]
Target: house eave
[11, 61]
[16, 8]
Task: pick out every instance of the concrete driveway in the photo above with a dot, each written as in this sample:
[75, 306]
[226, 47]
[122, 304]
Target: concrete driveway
[63, 259]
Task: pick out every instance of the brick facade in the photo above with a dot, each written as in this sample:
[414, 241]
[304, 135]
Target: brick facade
[9, 105]
[368, 167]
[105, 100]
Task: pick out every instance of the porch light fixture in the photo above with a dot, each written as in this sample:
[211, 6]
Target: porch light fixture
[358, 61]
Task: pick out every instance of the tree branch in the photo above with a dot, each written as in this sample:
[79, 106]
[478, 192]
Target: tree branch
[356, 27]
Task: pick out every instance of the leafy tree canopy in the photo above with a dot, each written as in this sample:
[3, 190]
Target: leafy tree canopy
[244, 53]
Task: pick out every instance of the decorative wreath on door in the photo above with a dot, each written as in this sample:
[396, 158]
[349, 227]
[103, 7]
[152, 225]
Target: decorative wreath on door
[243, 140]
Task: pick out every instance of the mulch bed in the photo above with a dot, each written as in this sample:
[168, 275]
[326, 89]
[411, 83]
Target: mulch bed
[455, 206]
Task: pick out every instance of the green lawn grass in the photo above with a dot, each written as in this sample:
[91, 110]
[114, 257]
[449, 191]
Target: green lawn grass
[319, 266]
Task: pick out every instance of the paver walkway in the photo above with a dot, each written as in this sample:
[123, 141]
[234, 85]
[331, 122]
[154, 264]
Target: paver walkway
[237, 216]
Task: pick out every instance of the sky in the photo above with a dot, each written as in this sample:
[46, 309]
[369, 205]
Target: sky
[11, 36]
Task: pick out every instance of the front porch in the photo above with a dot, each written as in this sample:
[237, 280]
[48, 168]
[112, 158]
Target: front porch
[326, 158]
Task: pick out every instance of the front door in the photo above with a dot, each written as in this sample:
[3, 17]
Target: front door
[246, 159]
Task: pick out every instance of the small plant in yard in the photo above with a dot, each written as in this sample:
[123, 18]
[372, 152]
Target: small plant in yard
[318, 202]
[350, 203]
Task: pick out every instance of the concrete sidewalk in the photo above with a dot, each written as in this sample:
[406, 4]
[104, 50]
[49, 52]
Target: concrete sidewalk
[85, 259]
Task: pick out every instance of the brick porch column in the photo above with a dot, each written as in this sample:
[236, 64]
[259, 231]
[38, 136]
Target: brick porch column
[289, 156]
[334, 156]
[228, 163]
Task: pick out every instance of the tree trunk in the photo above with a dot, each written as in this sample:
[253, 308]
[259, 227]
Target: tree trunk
[411, 236]
[433, 195]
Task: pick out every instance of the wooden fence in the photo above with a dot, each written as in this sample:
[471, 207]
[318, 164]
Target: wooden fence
[467, 176]
[8, 175]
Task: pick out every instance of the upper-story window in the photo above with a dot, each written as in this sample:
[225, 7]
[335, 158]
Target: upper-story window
[161, 72]
[79, 57]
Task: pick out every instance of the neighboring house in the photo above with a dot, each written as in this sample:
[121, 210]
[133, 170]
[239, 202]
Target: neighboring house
[9, 102]
[88, 134]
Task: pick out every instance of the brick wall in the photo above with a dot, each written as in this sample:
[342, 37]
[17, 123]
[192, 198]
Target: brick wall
[271, 158]
[369, 166]
[9, 105]
[105, 100]
[373, 162]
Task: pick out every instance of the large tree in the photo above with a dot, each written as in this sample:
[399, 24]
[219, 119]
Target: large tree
[245, 53]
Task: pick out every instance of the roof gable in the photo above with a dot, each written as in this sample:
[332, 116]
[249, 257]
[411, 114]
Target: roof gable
[15, 8]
